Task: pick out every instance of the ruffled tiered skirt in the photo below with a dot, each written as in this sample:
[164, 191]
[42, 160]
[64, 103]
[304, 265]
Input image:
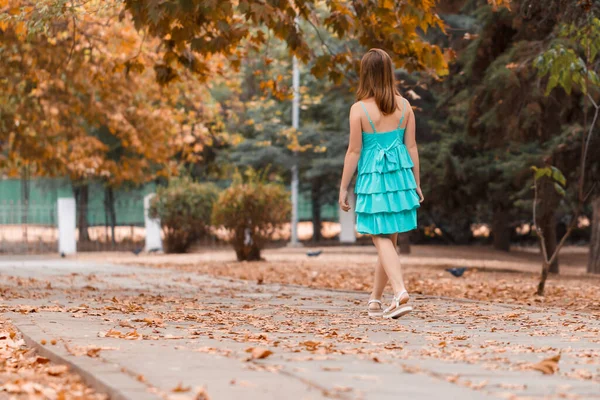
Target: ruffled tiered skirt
[386, 199]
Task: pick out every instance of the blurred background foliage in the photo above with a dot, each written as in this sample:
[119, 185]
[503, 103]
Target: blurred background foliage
[128, 92]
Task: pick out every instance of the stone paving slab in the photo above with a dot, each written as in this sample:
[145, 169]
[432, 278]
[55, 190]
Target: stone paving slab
[198, 329]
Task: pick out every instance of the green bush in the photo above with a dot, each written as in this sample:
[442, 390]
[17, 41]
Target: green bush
[184, 208]
[251, 211]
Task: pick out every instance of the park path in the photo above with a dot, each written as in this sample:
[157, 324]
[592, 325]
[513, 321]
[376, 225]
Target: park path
[145, 333]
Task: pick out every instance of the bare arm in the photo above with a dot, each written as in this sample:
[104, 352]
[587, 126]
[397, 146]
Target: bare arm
[352, 156]
[411, 144]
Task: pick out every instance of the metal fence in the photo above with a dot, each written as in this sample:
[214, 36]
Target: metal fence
[27, 228]
[100, 233]
[32, 229]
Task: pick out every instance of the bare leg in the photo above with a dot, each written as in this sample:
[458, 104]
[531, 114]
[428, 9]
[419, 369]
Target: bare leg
[381, 278]
[388, 257]
[381, 281]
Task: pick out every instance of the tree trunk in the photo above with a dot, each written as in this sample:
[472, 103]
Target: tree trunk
[246, 248]
[542, 284]
[549, 200]
[404, 243]
[316, 211]
[594, 261]
[548, 225]
[501, 230]
[109, 206]
[81, 193]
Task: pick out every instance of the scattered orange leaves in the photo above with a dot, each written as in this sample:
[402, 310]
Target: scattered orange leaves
[28, 375]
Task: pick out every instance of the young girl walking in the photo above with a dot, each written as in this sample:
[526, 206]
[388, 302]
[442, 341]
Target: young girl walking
[388, 191]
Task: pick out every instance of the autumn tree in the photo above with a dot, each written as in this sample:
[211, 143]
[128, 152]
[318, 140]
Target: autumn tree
[570, 63]
[77, 99]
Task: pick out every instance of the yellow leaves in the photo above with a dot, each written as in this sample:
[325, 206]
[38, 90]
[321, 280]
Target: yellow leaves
[496, 4]
[387, 4]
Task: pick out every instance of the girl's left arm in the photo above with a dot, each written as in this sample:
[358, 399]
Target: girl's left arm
[410, 142]
[352, 155]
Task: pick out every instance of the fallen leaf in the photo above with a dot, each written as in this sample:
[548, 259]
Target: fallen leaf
[548, 366]
[93, 352]
[201, 394]
[126, 324]
[181, 389]
[57, 370]
[258, 353]
[41, 360]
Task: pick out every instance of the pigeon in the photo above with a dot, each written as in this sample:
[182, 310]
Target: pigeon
[457, 272]
[155, 250]
[314, 253]
[137, 251]
[63, 255]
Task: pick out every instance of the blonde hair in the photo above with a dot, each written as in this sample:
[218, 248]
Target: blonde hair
[377, 80]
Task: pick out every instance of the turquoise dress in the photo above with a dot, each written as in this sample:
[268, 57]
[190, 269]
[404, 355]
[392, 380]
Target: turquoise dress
[386, 199]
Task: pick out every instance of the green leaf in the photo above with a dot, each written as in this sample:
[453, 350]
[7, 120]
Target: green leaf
[541, 172]
[558, 176]
[559, 189]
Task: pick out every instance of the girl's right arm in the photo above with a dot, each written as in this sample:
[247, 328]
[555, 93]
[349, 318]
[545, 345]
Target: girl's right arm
[352, 155]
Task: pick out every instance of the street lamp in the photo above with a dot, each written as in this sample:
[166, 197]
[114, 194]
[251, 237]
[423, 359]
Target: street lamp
[295, 178]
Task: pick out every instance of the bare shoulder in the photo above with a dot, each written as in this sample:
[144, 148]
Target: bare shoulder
[402, 100]
[355, 107]
[355, 110]
[409, 108]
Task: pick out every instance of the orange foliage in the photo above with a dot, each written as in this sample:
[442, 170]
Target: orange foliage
[78, 100]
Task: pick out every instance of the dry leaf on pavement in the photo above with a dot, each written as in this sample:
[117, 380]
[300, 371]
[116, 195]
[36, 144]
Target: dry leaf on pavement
[258, 353]
[548, 366]
[181, 389]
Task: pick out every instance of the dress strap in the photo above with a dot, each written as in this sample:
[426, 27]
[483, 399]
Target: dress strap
[403, 109]
[368, 117]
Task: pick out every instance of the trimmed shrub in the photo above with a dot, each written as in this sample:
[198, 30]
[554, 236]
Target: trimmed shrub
[184, 208]
[251, 211]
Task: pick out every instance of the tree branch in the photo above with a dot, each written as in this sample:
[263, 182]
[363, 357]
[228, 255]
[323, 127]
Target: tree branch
[74, 42]
[538, 230]
[585, 151]
[323, 42]
[565, 236]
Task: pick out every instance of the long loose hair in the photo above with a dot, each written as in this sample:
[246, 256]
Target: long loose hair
[377, 80]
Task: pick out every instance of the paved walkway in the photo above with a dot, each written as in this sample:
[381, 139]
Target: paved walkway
[155, 333]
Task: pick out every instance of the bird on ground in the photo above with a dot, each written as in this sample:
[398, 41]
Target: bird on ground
[457, 272]
[137, 251]
[314, 253]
